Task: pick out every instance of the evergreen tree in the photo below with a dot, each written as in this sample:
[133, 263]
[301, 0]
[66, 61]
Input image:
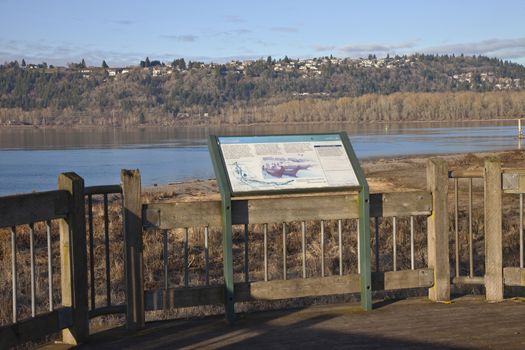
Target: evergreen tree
[104, 64]
[23, 62]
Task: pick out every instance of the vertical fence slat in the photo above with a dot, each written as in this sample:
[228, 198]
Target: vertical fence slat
[303, 246]
[376, 245]
[339, 231]
[412, 257]
[322, 248]
[470, 243]
[165, 257]
[186, 267]
[49, 265]
[394, 243]
[246, 268]
[106, 245]
[13, 272]
[265, 244]
[521, 230]
[284, 252]
[91, 252]
[32, 258]
[358, 247]
[206, 257]
[456, 226]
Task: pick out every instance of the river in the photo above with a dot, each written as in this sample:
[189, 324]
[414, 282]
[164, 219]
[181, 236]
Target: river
[32, 158]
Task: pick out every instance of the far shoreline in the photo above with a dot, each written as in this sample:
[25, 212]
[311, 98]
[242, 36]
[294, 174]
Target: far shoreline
[262, 125]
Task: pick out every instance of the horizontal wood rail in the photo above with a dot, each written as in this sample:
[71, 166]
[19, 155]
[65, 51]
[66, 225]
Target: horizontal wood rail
[107, 310]
[467, 280]
[478, 173]
[263, 210]
[285, 289]
[33, 207]
[475, 173]
[103, 189]
[36, 327]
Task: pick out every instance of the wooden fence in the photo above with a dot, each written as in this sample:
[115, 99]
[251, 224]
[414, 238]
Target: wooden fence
[68, 204]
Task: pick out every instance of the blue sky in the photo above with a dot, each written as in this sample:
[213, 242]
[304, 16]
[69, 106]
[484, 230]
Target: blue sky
[124, 32]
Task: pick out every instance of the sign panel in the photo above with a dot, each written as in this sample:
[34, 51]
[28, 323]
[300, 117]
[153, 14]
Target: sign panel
[292, 162]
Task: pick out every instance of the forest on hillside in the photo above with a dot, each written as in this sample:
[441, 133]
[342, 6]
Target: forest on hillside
[416, 87]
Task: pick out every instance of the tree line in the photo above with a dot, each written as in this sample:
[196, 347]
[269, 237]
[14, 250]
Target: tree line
[421, 87]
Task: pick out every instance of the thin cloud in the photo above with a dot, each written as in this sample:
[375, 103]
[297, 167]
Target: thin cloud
[187, 38]
[284, 29]
[234, 19]
[123, 22]
[375, 48]
[240, 31]
[504, 48]
[322, 48]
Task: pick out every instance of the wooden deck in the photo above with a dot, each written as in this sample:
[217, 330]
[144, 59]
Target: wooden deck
[467, 323]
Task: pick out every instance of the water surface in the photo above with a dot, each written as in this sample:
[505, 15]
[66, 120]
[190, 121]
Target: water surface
[32, 158]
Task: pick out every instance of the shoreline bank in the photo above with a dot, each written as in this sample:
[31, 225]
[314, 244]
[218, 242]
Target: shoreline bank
[407, 173]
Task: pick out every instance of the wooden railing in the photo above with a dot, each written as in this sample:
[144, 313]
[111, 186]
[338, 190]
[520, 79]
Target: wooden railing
[496, 184]
[314, 229]
[257, 213]
[23, 214]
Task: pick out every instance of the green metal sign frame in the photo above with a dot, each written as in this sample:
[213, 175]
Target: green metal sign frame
[227, 194]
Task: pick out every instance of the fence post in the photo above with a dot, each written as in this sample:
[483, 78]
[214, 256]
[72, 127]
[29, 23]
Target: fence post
[73, 259]
[437, 226]
[134, 269]
[493, 234]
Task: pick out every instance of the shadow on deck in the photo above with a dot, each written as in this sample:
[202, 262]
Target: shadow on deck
[468, 323]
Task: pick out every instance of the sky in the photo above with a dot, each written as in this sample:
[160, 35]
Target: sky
[124, 32]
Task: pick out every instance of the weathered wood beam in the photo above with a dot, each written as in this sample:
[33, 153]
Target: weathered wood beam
[32, 207]
[133, 259]
[402, 279]
[285, 289]
[493, 231]
[292, 208]
[73, 259]
[437, 227]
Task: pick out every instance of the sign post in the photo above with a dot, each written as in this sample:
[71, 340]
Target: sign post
[282, 164]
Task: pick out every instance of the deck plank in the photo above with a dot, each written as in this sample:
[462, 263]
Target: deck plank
[409, 324]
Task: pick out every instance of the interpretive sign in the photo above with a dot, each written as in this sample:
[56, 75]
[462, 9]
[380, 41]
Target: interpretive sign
[286, 163]
[248, 167]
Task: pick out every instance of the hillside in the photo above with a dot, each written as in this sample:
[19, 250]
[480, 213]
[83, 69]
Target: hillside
[417, 87]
